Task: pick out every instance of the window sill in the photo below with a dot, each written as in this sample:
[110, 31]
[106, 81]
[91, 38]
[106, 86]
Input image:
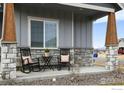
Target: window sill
[41, 48]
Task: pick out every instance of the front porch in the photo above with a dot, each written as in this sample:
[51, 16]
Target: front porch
[71, 28]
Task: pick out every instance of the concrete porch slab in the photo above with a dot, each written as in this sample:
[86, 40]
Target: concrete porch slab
[93, 69]
[52, 74]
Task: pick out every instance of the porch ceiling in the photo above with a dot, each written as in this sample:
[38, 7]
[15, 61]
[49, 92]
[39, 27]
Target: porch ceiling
[93, 14]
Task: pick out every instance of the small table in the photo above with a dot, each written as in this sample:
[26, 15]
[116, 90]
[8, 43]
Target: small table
[47, 62]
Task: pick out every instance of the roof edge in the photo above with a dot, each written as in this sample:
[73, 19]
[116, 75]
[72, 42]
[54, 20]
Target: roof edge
[121, 5]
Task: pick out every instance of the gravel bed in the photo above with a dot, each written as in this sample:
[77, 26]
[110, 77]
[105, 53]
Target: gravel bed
[107, 78]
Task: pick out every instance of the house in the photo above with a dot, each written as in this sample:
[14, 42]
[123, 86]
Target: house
[54, 26]
[121, 46]
[121, 42]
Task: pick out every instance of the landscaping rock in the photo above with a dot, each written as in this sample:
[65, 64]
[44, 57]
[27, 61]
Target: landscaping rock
[108, 78]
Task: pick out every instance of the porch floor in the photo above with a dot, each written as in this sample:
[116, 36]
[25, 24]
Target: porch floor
[51, 74]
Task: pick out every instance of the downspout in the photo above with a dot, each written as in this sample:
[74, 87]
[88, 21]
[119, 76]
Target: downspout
[72, 30]
[3, 22]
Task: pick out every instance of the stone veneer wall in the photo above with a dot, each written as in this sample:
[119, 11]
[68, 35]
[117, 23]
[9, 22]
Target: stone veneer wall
[8, 60]
[112, 60]
[35, 53]
[83, 56]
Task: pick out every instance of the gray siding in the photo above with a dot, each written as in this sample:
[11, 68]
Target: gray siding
[82, 31]
[89, 34]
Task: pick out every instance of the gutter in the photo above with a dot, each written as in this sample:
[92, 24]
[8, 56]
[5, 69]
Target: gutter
[121, 5]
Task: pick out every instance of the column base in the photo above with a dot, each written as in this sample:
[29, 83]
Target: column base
[111, 54]
[8, 60]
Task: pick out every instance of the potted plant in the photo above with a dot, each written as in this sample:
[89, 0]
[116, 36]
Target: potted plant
[47, 52]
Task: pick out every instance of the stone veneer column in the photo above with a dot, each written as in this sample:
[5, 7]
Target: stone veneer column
[82, 57]
[111, 42]
[8, 60]
[111, 54]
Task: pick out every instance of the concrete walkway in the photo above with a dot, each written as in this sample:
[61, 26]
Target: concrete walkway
[51, 74]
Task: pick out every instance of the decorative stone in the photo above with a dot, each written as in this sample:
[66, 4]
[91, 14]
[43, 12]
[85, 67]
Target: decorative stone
[11, 55]
[112, 59]
[103, 81]
[83, 55]
[12, 65]
[7, 76]
[13, 74]
[4, 66]
[4, 49]
[14, 51]
[111, 55]
[112, 52]
[13, 46]
[3, 56]
[76, 69]
[111, 67]
[116, 62]
[6, 61]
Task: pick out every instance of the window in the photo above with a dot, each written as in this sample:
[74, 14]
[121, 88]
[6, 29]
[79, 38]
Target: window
[50, 34]
[43, 33]
[36, 33]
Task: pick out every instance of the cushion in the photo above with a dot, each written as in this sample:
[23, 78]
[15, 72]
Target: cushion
[64, 58]
[26, 59]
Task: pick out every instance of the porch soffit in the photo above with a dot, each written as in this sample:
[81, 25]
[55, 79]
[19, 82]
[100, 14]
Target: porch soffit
[92, 11]
[88, 6]
[84, 12]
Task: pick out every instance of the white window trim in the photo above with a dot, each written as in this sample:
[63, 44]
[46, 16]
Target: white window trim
[44, 20]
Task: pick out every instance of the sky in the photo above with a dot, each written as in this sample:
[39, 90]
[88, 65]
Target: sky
[100, 26]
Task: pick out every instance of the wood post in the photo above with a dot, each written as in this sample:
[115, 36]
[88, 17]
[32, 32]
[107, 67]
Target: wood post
[111, 34]
[9, 33]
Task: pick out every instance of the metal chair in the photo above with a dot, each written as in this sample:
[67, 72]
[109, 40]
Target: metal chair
[29, 64]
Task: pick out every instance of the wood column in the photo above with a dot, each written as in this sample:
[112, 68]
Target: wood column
[8, 44]
[111, 43]
[9, 33]
[111, 34]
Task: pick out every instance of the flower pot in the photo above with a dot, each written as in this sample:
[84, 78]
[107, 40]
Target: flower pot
[46, 54]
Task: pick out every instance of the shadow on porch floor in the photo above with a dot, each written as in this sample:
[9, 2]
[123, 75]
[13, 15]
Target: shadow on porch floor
[51, 74]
